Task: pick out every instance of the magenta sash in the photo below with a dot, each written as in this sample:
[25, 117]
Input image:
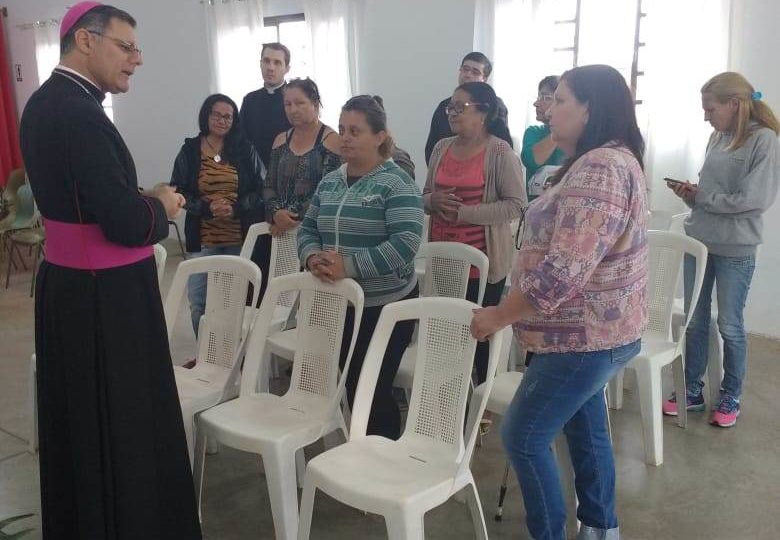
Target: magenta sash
[85, 247]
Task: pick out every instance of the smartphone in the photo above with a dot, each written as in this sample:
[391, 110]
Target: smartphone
[673, 181]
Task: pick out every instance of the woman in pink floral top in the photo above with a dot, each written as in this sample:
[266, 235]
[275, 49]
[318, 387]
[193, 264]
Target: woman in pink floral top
[578, 301]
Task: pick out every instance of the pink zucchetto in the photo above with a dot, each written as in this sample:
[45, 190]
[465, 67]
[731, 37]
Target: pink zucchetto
[73, 15]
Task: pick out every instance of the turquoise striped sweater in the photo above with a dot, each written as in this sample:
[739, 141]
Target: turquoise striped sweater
[375, 225]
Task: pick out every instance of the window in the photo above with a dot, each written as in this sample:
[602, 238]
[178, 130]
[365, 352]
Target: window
[599, 32]
[291, 30]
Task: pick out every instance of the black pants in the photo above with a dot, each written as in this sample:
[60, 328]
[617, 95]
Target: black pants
[385, 417]
[261, 256]
[492, 296]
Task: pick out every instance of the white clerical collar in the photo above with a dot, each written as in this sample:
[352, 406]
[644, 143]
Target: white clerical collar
[271, 91]
[79, 75]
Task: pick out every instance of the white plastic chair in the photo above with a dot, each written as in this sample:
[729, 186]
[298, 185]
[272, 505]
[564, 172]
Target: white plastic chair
[221, 334]
[279, 427]
[160, 256]
[283, 260]
[505, 386]
[659, 348]
[447, 268]
[401, 480]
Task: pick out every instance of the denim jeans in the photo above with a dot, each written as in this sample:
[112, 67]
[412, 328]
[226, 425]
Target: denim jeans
[565, 391]
[731, 277]
[197, 284]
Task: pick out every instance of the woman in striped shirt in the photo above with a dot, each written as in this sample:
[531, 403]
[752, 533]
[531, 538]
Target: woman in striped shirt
[578, 301]
[364, 222]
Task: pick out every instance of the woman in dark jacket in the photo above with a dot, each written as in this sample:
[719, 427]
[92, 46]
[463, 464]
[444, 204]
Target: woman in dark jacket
[221, 176]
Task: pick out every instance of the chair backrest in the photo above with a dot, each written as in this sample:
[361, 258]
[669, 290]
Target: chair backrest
[447, 267]
[220, 335]
[320, 329]
[442, 375]
[284, 254]
[666, 252]
[24, 208]
[677, 222]
[160, 256]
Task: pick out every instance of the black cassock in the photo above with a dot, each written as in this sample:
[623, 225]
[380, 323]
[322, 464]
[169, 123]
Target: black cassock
[113, 456]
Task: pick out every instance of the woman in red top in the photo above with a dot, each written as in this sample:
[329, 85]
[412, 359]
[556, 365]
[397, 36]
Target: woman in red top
[475, 189]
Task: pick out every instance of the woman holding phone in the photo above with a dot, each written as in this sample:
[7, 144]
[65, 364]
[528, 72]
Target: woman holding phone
[737, 183]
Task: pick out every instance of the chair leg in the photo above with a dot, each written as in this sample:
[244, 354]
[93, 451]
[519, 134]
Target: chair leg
[178, 236]
[475, 508]
[198, 465]
[283, 491]
[300, 466]
[10, 260]
[715, 363]
[502, 493]
[405, 526]
[307, 508]
[615, 391]
[678, 375]
[648, 381]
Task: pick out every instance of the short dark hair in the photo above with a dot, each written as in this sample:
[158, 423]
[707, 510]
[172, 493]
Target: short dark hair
[308, 87]
[551, 82]
[276, 46]
[477, 56]
[486, 101]
[96, 19]
[374, 112]
[611, 112]
[234, 140]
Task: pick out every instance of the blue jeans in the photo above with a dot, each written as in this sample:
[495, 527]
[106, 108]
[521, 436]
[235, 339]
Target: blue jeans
[197, 284]
[565, 391]
[731, 276]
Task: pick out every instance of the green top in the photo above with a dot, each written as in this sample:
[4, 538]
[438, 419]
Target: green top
[533, 135]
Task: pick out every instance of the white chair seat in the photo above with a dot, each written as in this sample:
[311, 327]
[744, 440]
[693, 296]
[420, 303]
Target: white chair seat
[505, 387]
[282, 342]
[249, 423]
[353, 475]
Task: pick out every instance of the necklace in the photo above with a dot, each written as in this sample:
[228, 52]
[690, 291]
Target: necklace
[217, 158]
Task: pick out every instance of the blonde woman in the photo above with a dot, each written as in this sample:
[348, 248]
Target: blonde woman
[737, 183]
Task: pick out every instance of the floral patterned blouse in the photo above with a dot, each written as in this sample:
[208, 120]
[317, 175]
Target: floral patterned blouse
[583, 259]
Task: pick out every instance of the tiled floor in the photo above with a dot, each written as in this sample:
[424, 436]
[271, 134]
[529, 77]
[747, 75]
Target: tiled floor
[715, 484]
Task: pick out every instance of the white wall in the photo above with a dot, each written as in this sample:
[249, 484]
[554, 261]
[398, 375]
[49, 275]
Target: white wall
[756, 43]
[409, 53]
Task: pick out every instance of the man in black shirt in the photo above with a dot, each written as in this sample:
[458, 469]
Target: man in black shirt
[475, 67]
[262, 111]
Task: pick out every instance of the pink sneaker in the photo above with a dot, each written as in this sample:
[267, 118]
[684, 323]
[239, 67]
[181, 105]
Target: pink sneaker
[695, 403]
[726, 413]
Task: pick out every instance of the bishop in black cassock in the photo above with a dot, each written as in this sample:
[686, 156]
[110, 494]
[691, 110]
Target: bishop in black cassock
[113, 456]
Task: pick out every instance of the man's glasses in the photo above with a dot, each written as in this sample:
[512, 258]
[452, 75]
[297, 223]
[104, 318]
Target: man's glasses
[544, 97]
[453, 109]
[472, 71]
[227, 118]
[126, 46]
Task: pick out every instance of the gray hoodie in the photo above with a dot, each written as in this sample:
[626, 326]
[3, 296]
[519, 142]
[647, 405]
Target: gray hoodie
[735, 188]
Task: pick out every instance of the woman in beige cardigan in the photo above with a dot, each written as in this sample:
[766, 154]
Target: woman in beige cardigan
[475, 189]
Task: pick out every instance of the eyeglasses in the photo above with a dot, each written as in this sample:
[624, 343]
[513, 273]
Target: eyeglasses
[471, 70]
[545, 97]
[453, 109]
[228, 118]
[519, 231]
[126, 46]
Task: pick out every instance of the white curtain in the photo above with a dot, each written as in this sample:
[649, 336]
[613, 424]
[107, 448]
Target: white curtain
[234, 35]
[518, 36]
[332, 25]
[47, 47]
[687, 43]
